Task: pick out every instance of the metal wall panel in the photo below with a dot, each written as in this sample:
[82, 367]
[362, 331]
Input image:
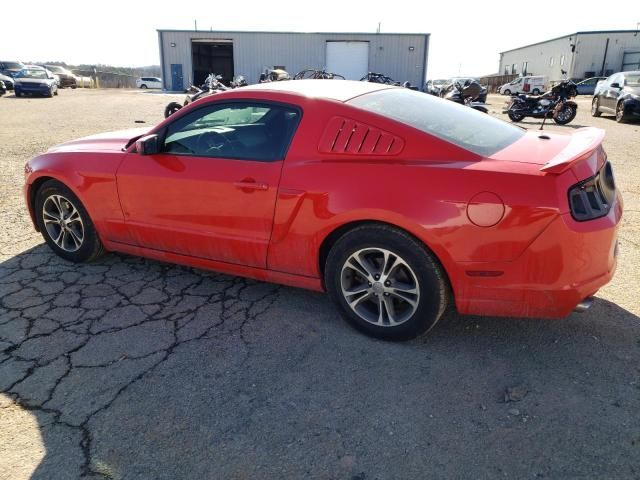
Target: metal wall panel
[400, 56]
[590, 51]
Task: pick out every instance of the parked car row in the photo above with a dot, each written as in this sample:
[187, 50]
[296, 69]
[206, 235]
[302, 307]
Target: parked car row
[35, 79]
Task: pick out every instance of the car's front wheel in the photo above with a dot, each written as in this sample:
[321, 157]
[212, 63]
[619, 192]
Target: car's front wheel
[143, 86]
[507, 92]
[385, 282]
[65, 223]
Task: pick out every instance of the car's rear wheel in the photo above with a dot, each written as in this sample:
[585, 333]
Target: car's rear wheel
[65, 223]
[143, 86]
[620, 118]
[385, 282]
[595, 107]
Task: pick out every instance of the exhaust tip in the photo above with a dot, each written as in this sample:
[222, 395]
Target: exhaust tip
[584, 305]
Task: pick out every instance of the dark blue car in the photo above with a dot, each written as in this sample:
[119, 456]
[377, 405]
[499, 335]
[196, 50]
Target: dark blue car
[588, 85]
[36, 81]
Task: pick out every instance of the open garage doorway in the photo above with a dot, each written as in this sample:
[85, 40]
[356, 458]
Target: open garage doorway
[212, 57]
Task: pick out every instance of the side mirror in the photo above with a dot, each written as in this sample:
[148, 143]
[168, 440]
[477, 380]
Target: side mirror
[147, 145]
[615, 85]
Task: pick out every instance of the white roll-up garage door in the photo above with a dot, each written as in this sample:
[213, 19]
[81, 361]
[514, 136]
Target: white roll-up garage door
[631, 61]
[349, 59]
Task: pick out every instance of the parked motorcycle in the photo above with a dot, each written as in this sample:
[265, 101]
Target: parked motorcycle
[274, 75]
[212, 84]
[317, 74]
[238, 81]
[466, 93]
[554, 104]
[381, 78]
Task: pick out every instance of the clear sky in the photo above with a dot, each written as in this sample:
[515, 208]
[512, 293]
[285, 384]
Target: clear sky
[466, 36]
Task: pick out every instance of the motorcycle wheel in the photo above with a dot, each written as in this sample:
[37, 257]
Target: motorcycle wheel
[515, 117]
[565, 115]
[172, 108]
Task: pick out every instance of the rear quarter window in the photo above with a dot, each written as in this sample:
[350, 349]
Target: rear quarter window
[463, 126]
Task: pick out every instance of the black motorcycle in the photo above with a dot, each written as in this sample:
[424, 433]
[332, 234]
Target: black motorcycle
[211, 85]
[554, 104]
[466, 93]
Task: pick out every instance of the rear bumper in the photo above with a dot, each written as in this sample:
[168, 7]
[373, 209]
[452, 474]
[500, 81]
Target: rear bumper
[565, 264]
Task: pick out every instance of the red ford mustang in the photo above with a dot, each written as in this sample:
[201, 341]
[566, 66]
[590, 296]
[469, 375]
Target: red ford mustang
[393, 201]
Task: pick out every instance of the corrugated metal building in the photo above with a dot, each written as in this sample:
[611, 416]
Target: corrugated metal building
[581, 54]
[187, 56]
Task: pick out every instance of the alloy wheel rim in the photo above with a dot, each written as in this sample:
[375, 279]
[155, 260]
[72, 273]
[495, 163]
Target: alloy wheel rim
[594, 106]
[565, 113]
[619, 111]
[380, 287]
[63, 223]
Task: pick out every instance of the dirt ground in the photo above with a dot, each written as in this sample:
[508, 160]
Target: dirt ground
[133, 369]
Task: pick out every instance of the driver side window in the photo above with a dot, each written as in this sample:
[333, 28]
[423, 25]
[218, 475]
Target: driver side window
[239, 130]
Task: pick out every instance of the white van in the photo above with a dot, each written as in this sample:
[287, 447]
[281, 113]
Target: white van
[534, 85]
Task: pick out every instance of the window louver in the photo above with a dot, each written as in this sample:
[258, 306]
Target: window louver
[343, 135]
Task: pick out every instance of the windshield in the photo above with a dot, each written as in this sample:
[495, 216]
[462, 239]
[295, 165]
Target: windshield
[633, 80]
[12, 65]
[463, 126]
[32, 73]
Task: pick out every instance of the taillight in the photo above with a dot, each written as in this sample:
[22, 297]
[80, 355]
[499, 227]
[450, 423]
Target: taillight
[593, 197]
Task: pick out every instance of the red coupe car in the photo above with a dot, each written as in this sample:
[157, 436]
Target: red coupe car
[394, 202]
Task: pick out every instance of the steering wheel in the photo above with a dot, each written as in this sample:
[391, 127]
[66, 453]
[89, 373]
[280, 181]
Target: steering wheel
[214, 143]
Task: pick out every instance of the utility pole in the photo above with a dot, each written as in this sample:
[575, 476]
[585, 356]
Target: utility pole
[195, 25]
[379, 24]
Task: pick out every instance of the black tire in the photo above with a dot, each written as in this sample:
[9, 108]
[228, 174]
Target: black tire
[56, 92]
[73, 87]
[507, 92]
[620, 117]
[143, 86]
[535, 91]
[572, 115]
[50, 95]
[515, 117]
[429, 277]
[172, 108]
[91, 247]
[595, 107]
[17, 94]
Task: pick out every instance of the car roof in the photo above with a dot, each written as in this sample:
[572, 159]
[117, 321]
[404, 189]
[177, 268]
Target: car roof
[633, 72]
[341, 90]
[33, 67]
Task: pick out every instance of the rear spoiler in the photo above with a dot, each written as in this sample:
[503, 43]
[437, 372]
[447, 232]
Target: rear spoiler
[582, 143]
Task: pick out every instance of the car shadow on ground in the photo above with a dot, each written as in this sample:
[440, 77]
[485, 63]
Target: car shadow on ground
[138, 369]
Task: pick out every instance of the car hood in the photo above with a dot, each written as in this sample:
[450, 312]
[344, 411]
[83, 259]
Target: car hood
[632, 90]
[554, 152]
[102, 142]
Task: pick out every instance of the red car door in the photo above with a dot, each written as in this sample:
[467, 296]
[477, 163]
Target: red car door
[211, 191]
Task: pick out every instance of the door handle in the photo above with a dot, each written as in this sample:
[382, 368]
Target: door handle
[248, 185]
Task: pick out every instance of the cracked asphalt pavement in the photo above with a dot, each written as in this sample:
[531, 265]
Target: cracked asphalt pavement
[128, 368]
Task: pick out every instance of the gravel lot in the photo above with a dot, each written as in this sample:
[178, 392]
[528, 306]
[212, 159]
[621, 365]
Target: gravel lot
[134, 369]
